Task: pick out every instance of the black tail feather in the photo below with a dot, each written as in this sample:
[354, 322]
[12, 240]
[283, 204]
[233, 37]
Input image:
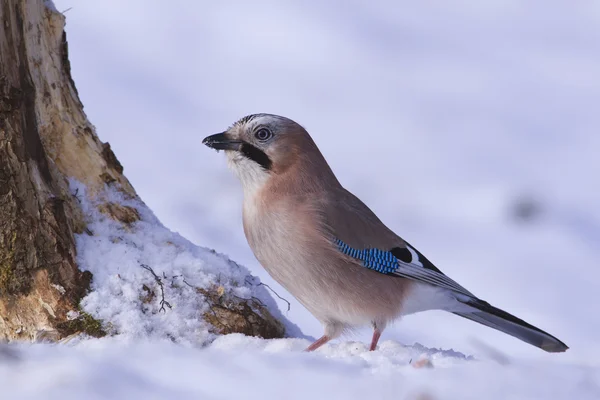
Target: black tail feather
[488, 315]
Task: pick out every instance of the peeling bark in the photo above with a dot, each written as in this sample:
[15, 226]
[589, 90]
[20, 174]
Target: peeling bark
[39, 279]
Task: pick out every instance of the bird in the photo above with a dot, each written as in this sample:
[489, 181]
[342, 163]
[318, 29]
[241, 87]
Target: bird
[329, 250]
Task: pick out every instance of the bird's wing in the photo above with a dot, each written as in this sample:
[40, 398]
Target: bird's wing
[362, 237]
[359, 236]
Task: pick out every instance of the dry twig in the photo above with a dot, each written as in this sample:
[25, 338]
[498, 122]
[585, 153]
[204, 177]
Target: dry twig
[160, 283]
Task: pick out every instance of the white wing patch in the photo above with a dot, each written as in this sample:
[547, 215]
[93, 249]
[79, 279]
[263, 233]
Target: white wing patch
[414, 257]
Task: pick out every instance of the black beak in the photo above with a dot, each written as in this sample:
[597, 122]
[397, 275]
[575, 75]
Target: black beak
[220, 141]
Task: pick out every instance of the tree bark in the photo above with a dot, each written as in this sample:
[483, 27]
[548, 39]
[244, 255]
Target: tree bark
[45, 138]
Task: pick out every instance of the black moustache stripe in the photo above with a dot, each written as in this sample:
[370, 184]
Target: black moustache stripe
[257, 155]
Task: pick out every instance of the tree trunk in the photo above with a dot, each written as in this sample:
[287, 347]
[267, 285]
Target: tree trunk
[45, 138]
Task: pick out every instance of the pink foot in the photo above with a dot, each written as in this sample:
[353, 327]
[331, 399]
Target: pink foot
[375, 340]
[320, 342]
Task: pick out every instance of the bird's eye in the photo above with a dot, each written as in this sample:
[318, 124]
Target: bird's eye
[263, 134]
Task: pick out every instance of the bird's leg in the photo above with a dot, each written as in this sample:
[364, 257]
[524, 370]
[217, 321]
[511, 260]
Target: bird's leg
[376, 336]
[318, 343]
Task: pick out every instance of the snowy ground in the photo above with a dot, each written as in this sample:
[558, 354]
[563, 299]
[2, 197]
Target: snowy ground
[439, 115]
[238, 367]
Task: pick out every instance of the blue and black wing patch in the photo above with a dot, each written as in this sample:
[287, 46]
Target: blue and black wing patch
[387, 261]
[404, 262]
[375, 259]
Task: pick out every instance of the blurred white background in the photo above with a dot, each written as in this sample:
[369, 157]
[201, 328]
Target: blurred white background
[443, 116]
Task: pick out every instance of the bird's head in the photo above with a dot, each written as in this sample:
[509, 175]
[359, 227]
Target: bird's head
[261, 146]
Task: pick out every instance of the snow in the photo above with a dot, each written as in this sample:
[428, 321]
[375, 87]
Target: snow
[238, 367]
[441, 116]
[146, 278]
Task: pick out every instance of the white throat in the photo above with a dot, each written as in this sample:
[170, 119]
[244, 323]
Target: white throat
[252, 176]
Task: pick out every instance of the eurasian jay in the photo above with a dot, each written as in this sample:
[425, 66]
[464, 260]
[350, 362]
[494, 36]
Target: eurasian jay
[329, 250]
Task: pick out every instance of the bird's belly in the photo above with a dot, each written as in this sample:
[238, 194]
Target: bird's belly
[313, 270]
[328, 301]
[348, 294]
